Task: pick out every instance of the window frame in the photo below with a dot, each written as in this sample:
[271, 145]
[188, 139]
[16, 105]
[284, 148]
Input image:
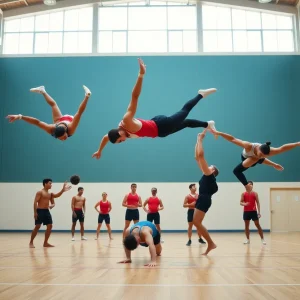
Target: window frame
[292, 12]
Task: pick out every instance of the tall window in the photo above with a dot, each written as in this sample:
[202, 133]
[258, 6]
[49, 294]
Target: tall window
[158, 27]
[227, 29]
[68, 31]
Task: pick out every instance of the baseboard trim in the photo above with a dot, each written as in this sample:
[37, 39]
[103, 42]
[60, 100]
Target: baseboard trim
[118, 231]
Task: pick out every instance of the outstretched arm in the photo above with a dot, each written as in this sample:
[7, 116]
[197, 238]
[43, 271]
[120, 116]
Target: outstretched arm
[152, 249]
[272, 164]
[283, 148]
[132, 107]
[103, 143]
[199, 155]
[234, 140]
[73, 126]
[46, 127]
[127, 252]
[65, 188]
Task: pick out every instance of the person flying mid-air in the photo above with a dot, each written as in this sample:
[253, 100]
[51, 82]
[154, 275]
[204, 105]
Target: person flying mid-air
[159, 126]
[253, 154]
[63, 126]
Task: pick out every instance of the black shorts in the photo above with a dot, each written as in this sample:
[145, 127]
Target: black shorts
[259, 161]
[79, 216]
[132, 214]
[156, 240]
[154, 217]
[250, 215]
[190, 215]
[44, 217]
[203, 203]
[104, 217]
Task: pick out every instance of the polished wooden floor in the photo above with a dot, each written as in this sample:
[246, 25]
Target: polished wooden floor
[89, 269]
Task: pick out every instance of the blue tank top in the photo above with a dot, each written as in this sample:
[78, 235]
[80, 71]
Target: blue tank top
[140, 225]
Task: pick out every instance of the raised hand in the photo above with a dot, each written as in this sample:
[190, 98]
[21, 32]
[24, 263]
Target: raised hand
[279, 167]
[96, 155]
[142, 66]
[13, 118]
[66, 187]
[201, 135]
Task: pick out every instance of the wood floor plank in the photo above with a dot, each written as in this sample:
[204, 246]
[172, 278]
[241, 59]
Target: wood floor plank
[89, 269]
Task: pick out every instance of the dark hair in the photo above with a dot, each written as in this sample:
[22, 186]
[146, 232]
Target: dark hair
[265, 148]
[130, 242]
[216, 171]
[59, 131]
[113, 135]
[154, 190]
[80, 188]
[191, 185]
[133, 184]
[46, 180]
[251, 182]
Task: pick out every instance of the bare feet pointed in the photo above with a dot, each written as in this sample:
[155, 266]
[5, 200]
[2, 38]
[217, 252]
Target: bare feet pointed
[209, 248]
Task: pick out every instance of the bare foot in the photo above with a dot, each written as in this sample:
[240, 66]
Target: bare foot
[31, 245]
[48, 245]
[209, 248]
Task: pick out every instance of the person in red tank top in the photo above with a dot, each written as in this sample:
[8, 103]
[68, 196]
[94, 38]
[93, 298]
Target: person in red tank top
[105, 208]
[159, 126]
[132, 202]
[63, 126]
[154, 206]
[189, 202]
[251, 205]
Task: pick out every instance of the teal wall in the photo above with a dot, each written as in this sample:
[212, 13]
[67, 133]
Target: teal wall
[1, 111]
[256, 100]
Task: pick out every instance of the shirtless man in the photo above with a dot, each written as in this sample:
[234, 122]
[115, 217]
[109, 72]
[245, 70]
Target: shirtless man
[41, 211]
[78, 211]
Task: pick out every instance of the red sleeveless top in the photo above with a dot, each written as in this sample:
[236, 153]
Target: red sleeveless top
[148, 129]
[104, 207]
[191, 199]
[250, 198]
[133, 200]
[153, 204]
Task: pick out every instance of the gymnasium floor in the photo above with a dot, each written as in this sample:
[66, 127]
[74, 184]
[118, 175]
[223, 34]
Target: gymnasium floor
[88, 269]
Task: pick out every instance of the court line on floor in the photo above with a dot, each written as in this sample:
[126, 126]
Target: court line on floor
[147, 285]
[172, 267]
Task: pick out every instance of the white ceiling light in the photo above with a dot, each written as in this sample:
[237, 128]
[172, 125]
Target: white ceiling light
[264, 1]
[50, 2]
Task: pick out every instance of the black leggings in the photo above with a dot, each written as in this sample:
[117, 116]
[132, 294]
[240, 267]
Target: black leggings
[239, 169]
[169, 125]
